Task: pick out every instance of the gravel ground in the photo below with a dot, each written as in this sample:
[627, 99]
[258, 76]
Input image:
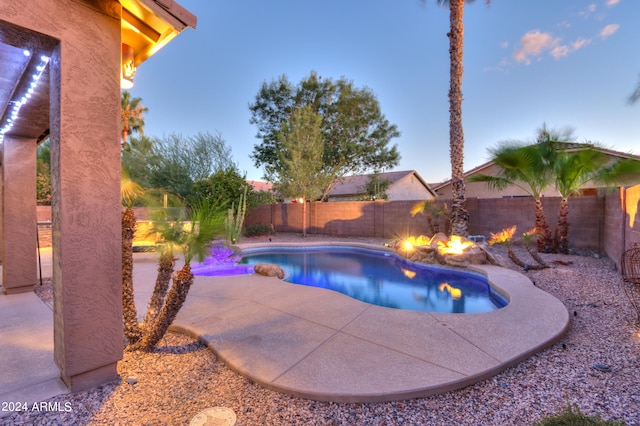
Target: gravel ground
[181, 377]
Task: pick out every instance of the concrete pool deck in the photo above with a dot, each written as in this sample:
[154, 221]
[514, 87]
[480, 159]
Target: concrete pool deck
[310, 342]
[322, 345]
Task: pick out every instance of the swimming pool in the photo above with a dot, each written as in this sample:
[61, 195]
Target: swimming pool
[380, 278]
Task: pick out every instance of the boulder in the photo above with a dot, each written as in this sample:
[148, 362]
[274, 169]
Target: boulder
[269, 270]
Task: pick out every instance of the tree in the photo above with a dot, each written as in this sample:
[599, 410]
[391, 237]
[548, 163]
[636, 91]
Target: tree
[132, 116]
[356, 134]
[43, 177]
[577, 166]
[194, 239]
[375, 188]
[433, 212]
[178, 162]
[138, 159]
[222, 187]
[299, 171]
[633, 98]
[459, 217]
[129, 193]
[526, 167]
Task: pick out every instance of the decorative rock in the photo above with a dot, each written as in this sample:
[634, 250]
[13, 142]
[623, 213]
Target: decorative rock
[269, 270]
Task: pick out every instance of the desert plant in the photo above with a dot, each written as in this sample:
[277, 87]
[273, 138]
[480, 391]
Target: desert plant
[257, 230]
[572, 416]
[504, 237]
[194, 239]
[129, 192]
[526, 239]
[235, 219]
[433, 211]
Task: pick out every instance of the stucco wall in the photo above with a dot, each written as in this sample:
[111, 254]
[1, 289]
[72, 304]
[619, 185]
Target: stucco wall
[85, 172]
[622, 222]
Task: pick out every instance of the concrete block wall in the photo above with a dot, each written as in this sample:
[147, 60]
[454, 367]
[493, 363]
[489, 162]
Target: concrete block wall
[389, 219]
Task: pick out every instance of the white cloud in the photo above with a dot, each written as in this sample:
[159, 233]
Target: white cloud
[610, 3]
[609, 30]
[504, 44]
[580, 43]
[560, 51]
[591, 7]
[533, 44]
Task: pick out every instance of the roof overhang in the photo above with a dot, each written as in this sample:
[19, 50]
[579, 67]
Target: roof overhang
[146, 26]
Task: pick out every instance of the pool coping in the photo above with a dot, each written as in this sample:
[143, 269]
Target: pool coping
[322, 345]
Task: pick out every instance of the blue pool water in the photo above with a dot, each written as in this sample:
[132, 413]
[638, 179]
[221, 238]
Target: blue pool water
[381, 278]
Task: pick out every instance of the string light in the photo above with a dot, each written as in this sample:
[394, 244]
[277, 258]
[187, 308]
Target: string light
[13, 115]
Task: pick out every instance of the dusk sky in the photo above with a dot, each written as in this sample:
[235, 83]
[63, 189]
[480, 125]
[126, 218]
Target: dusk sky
[568, 63]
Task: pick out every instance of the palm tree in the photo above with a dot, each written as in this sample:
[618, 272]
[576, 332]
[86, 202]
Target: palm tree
[526, 167]
[633, 98]
[194, 239]
[129, 192]
[573, 169]
[132, 115]
[505, 236]
[459, 218]
[433, 212]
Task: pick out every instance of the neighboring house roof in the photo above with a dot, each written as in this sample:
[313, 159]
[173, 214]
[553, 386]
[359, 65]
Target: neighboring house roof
[260, 186]
[351, 186]
[565, 146]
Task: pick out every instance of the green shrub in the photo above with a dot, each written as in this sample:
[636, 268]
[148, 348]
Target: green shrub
[569, 417]
[257, 230]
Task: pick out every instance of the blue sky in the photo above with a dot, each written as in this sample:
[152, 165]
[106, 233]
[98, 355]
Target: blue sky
[564, 63]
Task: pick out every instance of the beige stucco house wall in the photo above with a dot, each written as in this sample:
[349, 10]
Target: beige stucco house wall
[77, 105]
[481, 189]
[404, 185]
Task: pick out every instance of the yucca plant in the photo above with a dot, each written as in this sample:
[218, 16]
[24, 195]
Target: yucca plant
[235, 219]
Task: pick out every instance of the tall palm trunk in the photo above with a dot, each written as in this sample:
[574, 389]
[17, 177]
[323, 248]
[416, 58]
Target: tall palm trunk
[165, 270]
[544, 241]
[131, 327]
[175, 299]
[562, 227]
[459, 216]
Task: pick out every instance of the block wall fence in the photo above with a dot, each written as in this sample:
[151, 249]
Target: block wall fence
[608, 223]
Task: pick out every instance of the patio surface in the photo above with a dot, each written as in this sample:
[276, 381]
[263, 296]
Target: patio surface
[310, 342]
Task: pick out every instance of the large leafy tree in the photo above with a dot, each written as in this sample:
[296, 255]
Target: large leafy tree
[459, 217]
[356, 134]
[132, 116]
[43, 177]
[224, 187]
[174, 163]
[300, 171]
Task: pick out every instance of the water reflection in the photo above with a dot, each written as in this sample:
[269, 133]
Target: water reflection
[382, 279]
